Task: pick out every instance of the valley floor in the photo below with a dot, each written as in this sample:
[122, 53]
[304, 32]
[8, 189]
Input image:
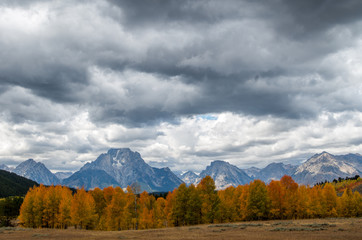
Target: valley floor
[318, 229]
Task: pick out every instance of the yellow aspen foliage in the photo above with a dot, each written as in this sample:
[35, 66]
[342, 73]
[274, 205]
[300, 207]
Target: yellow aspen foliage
[236, 203]
[99, 200]
[330, 200]
[146, 219]
[181, 196]
[27, 216]
[244, 202]
[38, 206]
[83, 213]
[193, 211]
[132, 209]
[315, 208]
[278, 205]
[350, 204]
[302, 202]
[169, 208]
[108, 193]
[357, 200]
[52, 200]
[115, 211]
[63, 217]
[209, 200]
[291, 196]
[257, 201]
[227, 208]
[159, 213]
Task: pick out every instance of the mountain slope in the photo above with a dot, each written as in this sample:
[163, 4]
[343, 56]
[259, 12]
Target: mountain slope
[125, 167]
[325, 166]
[275, 171]
[225, 174]
[36, 171]
[12, 184]
[6, 168]
[190, 177]
[252, 172]
[89, 179]
[63, 175]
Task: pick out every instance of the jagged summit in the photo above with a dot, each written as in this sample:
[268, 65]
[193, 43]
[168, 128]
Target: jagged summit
[275, 171]
[6, 168]
[190, 177]
[125, 167]
[36, 171]
[225, 174]
[325, 166]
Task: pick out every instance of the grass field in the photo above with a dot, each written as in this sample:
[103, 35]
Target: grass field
[289, 229]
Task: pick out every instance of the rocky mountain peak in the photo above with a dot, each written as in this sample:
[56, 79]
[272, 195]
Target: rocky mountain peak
[190, 177]
[124, 167]
[324, 166]
[225, 174]
[36, 171]
[124, 156]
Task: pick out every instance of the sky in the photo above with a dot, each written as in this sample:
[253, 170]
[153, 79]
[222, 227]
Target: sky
[181, 82]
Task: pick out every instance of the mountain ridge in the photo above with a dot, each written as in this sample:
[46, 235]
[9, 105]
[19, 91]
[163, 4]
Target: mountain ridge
[126, 167]
[122, 167]
[37, 172]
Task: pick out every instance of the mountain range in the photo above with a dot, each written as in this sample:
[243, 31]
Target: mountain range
[318, 168]
[123, 167]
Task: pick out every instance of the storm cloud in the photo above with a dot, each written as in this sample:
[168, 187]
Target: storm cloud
[78, 77]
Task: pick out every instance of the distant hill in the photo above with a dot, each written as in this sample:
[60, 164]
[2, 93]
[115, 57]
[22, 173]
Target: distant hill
[14, 185]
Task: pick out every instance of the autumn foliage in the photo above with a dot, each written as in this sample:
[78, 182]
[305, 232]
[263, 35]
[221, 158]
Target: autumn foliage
[116, 209]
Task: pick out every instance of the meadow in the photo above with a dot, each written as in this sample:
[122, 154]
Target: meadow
[318, 229]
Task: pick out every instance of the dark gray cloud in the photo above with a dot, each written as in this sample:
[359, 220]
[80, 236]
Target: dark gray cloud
[70, 67]
[227, 49]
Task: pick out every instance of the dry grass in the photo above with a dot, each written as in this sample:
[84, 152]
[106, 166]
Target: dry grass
[292, 229]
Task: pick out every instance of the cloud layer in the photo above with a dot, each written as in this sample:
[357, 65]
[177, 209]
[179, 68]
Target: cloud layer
[184, 84]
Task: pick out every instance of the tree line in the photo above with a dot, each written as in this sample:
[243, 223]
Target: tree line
[115, 209]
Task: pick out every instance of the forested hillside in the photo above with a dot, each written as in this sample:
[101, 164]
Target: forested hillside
[341, 184]
[114, 209]
[14, 185]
